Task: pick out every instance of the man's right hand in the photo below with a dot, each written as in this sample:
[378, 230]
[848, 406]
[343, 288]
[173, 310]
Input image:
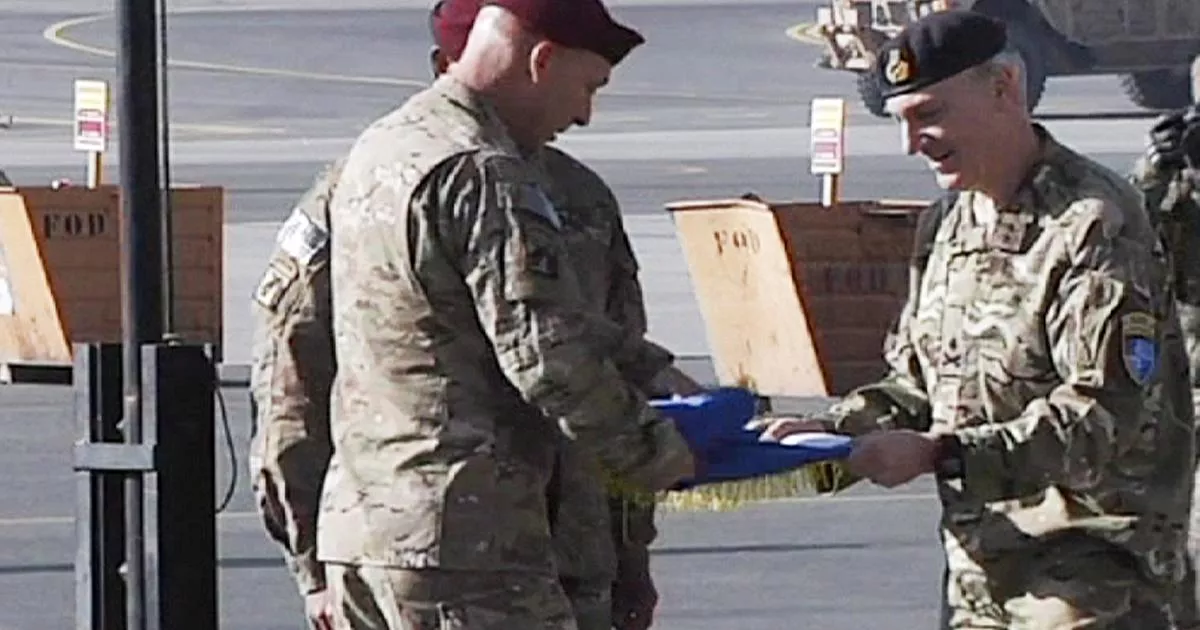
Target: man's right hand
[318, 609]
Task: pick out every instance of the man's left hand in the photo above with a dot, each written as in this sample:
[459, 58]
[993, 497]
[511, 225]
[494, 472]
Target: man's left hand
[634, 595]
[893, 458]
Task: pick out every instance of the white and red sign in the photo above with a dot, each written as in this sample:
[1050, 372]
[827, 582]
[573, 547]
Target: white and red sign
[827, 145]
[91, 116]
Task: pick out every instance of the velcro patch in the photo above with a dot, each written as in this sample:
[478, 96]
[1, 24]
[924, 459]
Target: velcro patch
[1139, 346]
[300, 237]
[274, 284]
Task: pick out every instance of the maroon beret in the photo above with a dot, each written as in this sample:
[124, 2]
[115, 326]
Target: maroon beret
[582, 24]
[451, 22]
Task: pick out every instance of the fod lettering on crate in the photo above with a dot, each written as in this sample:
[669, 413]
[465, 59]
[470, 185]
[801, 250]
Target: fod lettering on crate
[74, 224]
[744, 240]
[862, 279]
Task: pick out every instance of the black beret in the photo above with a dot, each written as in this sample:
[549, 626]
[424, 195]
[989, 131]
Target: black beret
[937, 47]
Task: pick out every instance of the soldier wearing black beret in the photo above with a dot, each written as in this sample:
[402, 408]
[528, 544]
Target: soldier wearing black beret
[1036, 369]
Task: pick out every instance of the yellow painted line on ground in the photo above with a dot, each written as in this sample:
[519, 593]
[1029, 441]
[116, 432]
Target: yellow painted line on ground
[56, 34]
[213, 129]
[805, 33]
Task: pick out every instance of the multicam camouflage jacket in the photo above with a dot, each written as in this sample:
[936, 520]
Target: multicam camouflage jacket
[458, 316]
[293, 370]
[1047, 341]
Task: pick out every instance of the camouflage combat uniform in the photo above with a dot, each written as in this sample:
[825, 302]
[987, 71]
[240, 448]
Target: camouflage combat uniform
[291, 376]
[1030, 341]
[1173, 200]
[460, 329]
[604, 262]
[4, 180]
[293, 372]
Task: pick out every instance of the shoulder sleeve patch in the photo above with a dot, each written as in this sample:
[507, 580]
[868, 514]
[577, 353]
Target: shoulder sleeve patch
[1139, 346]
[301, 238]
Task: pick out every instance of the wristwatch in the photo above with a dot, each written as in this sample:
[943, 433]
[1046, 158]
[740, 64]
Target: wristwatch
[948, 461]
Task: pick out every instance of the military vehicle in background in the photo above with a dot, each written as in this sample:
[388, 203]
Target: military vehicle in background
[1149, 43]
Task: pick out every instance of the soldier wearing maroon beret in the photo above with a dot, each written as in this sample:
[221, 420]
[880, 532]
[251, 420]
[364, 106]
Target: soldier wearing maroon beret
[468, 348]
[609, 586]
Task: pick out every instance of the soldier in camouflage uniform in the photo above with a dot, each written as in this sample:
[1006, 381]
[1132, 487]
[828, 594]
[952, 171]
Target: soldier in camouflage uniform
[293, 372]
[623, 295]
[1169, 178]
[1037, 367]
[291, 375]
[607, 577]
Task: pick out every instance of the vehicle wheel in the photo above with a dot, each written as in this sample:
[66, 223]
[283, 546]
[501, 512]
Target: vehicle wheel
[871, 94]
[1166, 88]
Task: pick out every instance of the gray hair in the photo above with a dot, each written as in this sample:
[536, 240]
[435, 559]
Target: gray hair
[1195, 69]
[995, 67]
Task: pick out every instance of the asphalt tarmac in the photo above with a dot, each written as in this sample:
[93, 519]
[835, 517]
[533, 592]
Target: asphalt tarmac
[715, 105]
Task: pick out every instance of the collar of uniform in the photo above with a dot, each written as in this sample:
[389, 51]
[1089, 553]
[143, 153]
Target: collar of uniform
[541, 169]
[460, 95]
[1052, 177]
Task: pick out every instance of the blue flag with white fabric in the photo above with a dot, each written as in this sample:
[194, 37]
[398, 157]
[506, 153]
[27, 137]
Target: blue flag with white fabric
[735, 465]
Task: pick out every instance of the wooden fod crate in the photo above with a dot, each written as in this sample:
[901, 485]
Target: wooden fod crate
[797, 298]
[60, 270]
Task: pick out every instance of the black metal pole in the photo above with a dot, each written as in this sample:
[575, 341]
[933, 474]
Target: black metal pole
[141, 258]
[164, 123]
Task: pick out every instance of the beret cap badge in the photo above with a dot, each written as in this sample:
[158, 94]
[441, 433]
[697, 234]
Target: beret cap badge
[898, 69]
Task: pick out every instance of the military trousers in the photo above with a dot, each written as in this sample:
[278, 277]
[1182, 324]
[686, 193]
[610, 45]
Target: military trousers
[1070, 583]
[380, 598]
[591, 603]
[1185, 606]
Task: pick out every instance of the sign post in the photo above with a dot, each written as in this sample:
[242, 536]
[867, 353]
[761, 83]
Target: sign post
[91, 125]
[827, 147]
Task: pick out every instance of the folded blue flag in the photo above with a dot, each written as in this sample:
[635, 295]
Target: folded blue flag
[713, 423]
[736, 462]
[715, 416]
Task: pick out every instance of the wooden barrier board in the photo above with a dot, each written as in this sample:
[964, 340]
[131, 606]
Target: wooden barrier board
[60, 269]
[797, 298]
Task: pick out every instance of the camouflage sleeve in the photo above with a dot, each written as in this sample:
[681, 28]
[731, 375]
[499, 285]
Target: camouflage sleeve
[527, 298]
[1104, 327]
[640, 361]
[292, 374]
[638, 358]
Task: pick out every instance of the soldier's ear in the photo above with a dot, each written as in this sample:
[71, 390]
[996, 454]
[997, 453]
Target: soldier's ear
[438, 61]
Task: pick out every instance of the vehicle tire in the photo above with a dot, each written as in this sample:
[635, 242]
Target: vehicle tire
[871, 94]
[1166, 88]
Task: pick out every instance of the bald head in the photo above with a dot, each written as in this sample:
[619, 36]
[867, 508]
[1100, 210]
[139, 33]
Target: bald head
[538, 86]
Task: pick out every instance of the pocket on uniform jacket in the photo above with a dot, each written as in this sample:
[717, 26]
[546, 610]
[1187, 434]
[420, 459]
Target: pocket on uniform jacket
[535, 264]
